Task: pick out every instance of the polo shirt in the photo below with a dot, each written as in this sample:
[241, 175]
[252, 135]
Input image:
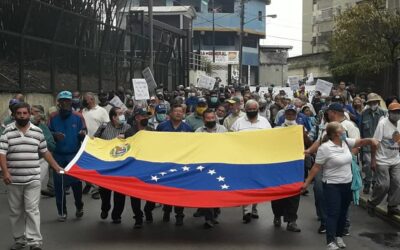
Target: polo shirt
[94, 117]
[167, 126]
[22, 152]
[70, 127]
[388, 150]
[336, 161]
[194, 121]
[243, 124]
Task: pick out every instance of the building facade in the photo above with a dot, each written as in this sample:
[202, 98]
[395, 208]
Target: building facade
[273, 65]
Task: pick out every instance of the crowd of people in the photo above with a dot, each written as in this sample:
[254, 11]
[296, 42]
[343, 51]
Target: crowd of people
[340, 129]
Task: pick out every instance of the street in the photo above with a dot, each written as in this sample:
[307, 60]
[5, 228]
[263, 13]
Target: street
[92, 233]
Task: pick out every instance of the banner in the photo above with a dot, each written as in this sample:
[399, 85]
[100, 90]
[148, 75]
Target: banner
[197, 169]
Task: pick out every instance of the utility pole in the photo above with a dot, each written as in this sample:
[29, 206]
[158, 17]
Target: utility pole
[213, 29]
[241, 40]
[150, 11]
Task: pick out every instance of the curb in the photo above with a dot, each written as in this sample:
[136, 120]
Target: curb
[381, 212]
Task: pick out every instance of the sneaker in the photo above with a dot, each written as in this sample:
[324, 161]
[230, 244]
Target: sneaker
[346, 232]
[179, 221]
[292, 227]
[79, 213]
[322, 229]
[166, 217]
[36, 247]
[47, 193]
[103, 215]
[62, 218]
[393, 211]
[254, 215]
[332, 246]
[340, 243]
[247, 218]
[149, 217]
[138, 223]
[208, 225]
[366, 189]
[18, 246]
[277, 221]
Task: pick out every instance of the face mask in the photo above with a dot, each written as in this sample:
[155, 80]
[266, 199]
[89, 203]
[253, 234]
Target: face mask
[76, 101]
[144, 122]
[129, 105]
[394, 117]
[161, 117]
[65, 113]
[210, 124]
[22, 122]
[222, 100]
[322, 100]
[251, 114]
[160, 97]
[121, 119]
[214, 99]
[200, 110]
[192, 94]
[343, 136]
[85, 104]
[374, 107]
[290, 122]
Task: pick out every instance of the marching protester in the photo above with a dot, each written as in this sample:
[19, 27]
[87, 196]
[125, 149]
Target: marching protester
[195, 120]
[115, 128]
[69, 130]
[251, 121]
[174, 124]
[235, 113]
[21, 146]
[334, 157]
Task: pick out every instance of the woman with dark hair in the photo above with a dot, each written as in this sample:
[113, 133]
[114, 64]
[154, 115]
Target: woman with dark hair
[334, 158]
[392, 99]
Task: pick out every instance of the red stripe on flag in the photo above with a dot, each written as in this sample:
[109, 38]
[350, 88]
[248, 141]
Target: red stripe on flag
[186, 198]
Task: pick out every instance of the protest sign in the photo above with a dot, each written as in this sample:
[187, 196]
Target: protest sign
[148, 75]
[206, 82]
[324, 87]
[141, 89]
[116, 102]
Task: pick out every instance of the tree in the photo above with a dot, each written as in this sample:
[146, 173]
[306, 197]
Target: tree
[366, 41]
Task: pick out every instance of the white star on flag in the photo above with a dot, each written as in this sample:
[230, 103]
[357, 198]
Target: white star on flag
[173, 170]
[221, 178]
[154, 178]
[224, 186]
[163, 173]
[186, 168]
[211, 172]
[200, 168]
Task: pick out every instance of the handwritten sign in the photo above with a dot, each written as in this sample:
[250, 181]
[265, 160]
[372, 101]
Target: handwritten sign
[116, 102]
[324, 87]
[141, 89]
[206, 82]
[294, 82]
[148, 75]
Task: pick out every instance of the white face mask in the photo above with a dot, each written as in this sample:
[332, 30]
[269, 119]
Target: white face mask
[290, 123]
[374, 107]
[121, 119]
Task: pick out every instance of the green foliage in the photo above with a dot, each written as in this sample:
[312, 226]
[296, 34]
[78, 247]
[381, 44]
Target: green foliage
[366, 39]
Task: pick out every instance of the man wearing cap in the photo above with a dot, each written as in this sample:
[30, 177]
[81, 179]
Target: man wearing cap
[369, 121]
[195, 120]
[251, 121]
[69, 130]
[235, 112]
[301, 119]
[160, 115]
[174, 124]
[387, 165]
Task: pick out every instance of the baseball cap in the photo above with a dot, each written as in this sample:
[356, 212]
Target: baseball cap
[234, 100]
[141, 111]
[291, 107]
[335, 107]
[394, 106]
[202, 100]
[64, 95]
[161, 108]
[13, 102]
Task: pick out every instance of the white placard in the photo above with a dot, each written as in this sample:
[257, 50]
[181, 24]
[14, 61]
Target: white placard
[310, 80]
[206, 82]
[148, 75]
[141, 89]
[324, 87]
[294, 82]
[310, 90]
[116, 102]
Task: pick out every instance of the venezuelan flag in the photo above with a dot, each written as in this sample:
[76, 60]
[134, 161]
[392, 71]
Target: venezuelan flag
[197, 169]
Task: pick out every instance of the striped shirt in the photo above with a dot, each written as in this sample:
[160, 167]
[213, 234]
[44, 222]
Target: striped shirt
[107, 131]
[22, 152]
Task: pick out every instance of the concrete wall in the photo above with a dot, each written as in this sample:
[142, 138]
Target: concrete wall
[46, 100]
[273, 74]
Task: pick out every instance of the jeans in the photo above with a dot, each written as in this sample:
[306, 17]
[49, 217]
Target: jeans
[178, 210]
[119, 203]
[319, 198]
[337, 200]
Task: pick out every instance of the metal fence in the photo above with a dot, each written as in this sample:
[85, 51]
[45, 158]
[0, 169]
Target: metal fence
[47, 47]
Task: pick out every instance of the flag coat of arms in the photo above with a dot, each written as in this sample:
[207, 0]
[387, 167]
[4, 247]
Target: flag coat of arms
[197, 169]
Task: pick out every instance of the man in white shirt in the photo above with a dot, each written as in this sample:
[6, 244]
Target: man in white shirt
[251, 121]
[387, 167]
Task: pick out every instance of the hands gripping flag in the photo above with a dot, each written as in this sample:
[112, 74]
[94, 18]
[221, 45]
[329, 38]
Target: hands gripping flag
[197, 169]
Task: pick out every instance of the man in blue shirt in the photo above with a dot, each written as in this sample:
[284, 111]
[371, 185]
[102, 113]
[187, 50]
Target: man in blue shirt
[175, 124]
[68, 129]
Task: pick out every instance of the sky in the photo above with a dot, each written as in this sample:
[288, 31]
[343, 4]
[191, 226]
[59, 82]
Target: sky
[286, 29]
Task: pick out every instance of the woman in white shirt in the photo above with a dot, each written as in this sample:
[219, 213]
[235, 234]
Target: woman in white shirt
[334, 158]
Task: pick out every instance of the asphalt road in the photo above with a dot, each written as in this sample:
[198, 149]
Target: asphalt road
[92, 233]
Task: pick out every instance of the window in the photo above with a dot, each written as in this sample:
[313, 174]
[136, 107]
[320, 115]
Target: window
[155, 2]
[196, 4]
[221, 39]
[222, 6]
[260, 16]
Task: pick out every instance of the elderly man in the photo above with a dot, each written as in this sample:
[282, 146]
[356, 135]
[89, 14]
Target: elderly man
[195, 120]
[251, 121]
[235, 113]
[21, 145]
